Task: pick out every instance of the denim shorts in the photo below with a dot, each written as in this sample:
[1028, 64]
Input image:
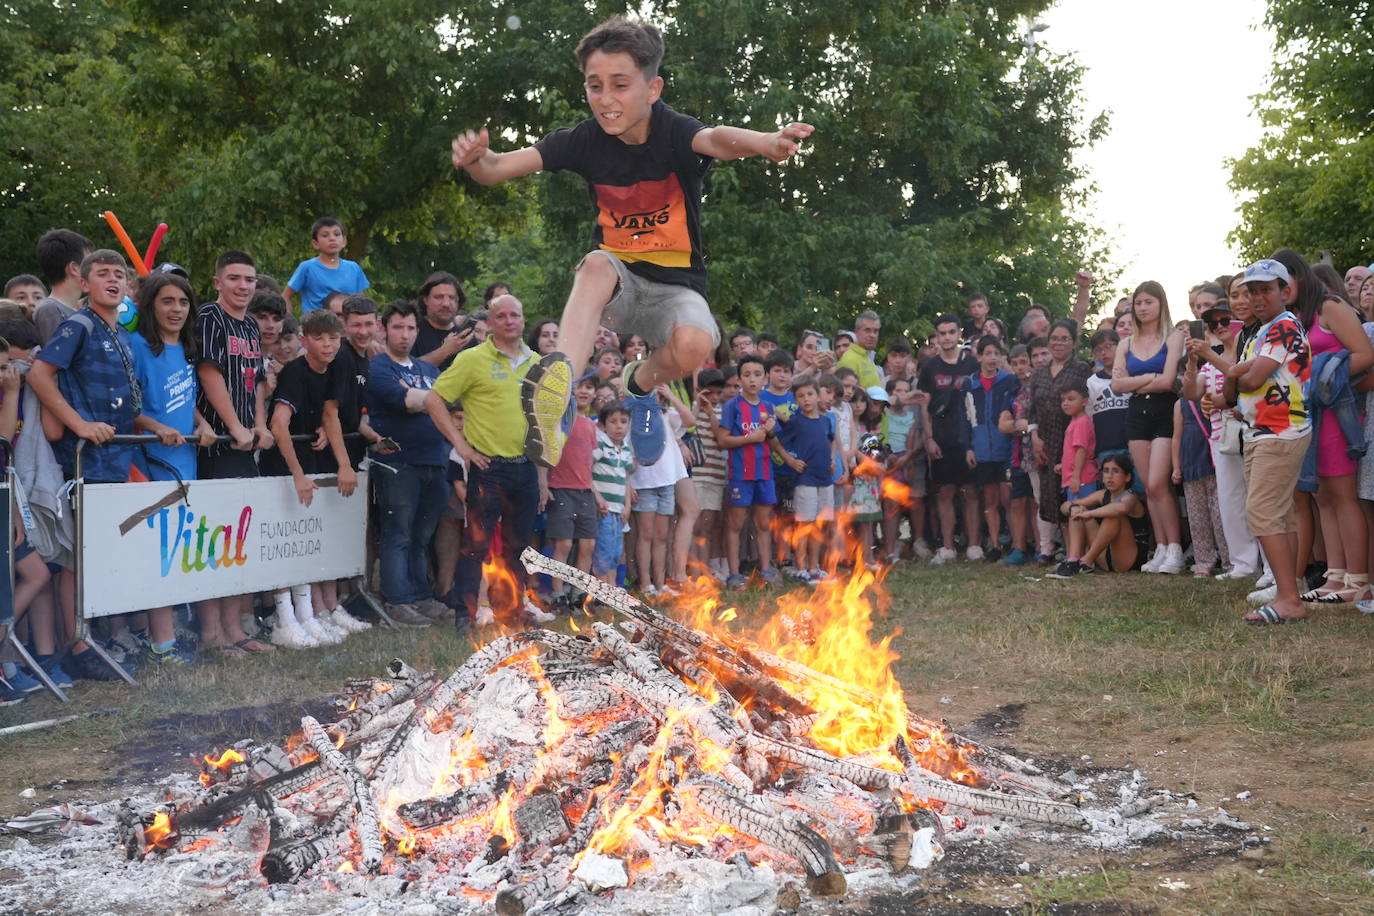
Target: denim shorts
[1086, 490]
[662, 500]
[610, 543]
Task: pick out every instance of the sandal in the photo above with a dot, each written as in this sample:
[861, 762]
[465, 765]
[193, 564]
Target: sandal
[249, 644]
[1267, 616]
[227, 650]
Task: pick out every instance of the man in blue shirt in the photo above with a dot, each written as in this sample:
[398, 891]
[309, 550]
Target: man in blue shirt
[411, 490]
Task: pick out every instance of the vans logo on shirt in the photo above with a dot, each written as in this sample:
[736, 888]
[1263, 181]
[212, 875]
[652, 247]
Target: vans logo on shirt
[641, 223]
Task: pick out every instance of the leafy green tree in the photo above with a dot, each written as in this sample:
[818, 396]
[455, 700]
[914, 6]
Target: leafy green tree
[1307, 183]
[942, 162]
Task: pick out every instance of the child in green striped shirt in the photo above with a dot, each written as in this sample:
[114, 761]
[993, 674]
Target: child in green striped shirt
[612, 462]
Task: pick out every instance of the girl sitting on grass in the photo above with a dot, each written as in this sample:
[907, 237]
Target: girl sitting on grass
[1111, 522]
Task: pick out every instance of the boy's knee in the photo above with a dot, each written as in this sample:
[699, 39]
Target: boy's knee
[690, 346]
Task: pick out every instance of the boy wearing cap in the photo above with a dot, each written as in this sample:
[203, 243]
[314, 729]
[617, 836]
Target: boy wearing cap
[947, 435]
[644, 165]
[1268, 383]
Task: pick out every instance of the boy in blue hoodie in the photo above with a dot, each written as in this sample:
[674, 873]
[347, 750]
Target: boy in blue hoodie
[986, 395]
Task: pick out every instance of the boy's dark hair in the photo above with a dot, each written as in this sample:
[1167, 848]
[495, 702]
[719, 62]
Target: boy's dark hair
[494, 289]
[266, 302]
[456, 406]
[611, 410]
[234, 257]
[1036, 307]
[619, 35]
[321, 321]
[710, 378]
[1019, 350]
[324, 222]
[22, 280]
[1077, 388]
[1103, 336]
[748, 358]
[777, 358]
[976, 297]
[22, 333]
[270, 284]
[290, 327]
[844, 372]
[891, 384]
[771, 338]
[945, 318]
[1037, 343]
[831, 381]
[58, 248]
[102, 256]
[359, 305]
[804, 381]
[438, 278]
[740, 332]
[10, 309]
[398, 308]
[329, 299]
[898, 345]
[990, 340]
[146, 296]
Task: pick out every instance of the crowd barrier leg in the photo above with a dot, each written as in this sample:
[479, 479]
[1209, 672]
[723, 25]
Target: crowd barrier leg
[83, 626]
[36, 668]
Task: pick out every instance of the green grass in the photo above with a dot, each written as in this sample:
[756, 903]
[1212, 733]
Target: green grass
[1119, 667]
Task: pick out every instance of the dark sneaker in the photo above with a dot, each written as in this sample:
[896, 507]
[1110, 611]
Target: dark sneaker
[62, 679]
[10, 696]
[176, 655]
[546, 395]
[87, 666]
[434, 609]
[1016, 558]
[1066, 570]
[24, 682]
[770, 577]
[1088, 569]
[1044, 559]
[737, 582]
[647, 432]
[407, 615]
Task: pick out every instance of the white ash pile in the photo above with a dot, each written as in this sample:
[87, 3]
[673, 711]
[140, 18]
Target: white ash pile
[550, 769]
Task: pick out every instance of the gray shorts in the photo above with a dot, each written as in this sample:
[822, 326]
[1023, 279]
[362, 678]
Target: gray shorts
[652, 310]
[571, 514]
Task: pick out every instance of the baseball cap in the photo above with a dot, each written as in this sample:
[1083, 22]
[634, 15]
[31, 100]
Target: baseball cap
[1222, 308]
[1267, 269]
[167, 267]
[877, 393]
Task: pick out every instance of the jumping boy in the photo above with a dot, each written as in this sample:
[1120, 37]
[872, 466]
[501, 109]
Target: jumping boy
[644, 164]
[328, 272]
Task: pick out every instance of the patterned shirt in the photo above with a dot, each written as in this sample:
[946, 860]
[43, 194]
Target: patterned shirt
[738, 418]
[1277, 407]
[611, 466]
[234, 347]
[712, 470]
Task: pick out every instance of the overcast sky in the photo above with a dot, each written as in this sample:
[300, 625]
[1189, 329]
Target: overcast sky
[1177, 77]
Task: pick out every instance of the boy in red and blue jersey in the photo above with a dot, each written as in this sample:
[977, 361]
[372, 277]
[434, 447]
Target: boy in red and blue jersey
[746, 433]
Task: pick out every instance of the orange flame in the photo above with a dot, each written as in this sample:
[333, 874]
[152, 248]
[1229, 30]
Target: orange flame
[158, 834]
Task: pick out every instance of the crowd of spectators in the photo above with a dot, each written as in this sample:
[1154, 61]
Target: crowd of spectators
[1230, 444]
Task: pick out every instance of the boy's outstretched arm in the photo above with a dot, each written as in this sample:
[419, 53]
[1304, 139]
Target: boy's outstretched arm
[472, 151]
[740, 142]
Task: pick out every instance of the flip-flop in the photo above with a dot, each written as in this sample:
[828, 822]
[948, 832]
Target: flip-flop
[249, 644]
[1267, 616]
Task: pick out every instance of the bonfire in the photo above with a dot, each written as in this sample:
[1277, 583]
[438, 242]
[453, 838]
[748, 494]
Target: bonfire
[553, 767]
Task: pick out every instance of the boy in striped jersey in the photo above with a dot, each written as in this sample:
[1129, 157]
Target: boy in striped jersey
[746, 433]
[612, 461]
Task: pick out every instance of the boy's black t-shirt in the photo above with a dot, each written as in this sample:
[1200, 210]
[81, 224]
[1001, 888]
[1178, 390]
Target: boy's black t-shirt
[304, 390]
[647, 196]
[941, 380]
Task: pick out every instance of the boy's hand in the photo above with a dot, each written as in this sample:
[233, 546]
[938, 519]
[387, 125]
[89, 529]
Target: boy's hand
[469, 146]
[1239, 369]
[971, 458]
[305, 488]
[795, 464]
[1075, 486]
[321, 441]
[205, 436]
[933, 450]
[263, 436]
[1176, 476]
[243, 438]
[768, 426]
[168, 436]
[348, 481]
[783, 144]
[602, 507]
[10, 379]
[95, 433]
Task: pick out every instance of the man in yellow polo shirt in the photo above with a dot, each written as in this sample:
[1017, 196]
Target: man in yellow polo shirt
[503, 485]
[859, 356]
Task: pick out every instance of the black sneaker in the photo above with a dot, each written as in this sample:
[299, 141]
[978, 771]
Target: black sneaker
[992, 555]
[1065, 570]
[11, 696]
[1088, 569]
[87, 666]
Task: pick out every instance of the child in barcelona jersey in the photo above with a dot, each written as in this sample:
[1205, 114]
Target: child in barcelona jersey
[644, 164]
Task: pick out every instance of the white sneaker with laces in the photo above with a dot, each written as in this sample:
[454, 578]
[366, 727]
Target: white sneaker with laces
[975, 552]
[327, 624]
[1156, 560]
[318, 632]
[1263, 595]
[943, 556]
[1265, 580]
[535, 614]
[921, 550]
[485, 617]
[346, 621]
[1173, 561]
[289, 635]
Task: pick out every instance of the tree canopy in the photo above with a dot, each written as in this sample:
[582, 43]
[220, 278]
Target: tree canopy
[942, 161]
[1309, 183]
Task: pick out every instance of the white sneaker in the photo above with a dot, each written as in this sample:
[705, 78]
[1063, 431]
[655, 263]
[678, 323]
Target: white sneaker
[485, 617]
[327, 624]
[318, 632]
[921, 550]
[975, 553]
[288, 634]
[535, 614]
[1156, 560]
[346, 621]
[943, 556]
[649, 591]
[1173, 561]
[1265, 580]
[1263, 595]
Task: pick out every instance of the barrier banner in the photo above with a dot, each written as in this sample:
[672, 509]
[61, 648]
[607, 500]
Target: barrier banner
[143, 547]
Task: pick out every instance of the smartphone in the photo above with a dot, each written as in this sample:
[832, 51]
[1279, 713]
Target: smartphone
[823, 344]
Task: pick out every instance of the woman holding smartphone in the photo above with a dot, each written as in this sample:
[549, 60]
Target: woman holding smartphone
[813, 354]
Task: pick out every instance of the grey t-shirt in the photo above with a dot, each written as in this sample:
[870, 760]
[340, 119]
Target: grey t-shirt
[50, 313]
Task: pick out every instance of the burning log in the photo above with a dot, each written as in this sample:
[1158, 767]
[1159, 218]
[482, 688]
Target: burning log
[366, 823]
[755, 816]
[470, 801]
[286, 860]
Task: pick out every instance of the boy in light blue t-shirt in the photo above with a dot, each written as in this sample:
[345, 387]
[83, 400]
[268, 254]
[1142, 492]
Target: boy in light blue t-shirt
[327, 272]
